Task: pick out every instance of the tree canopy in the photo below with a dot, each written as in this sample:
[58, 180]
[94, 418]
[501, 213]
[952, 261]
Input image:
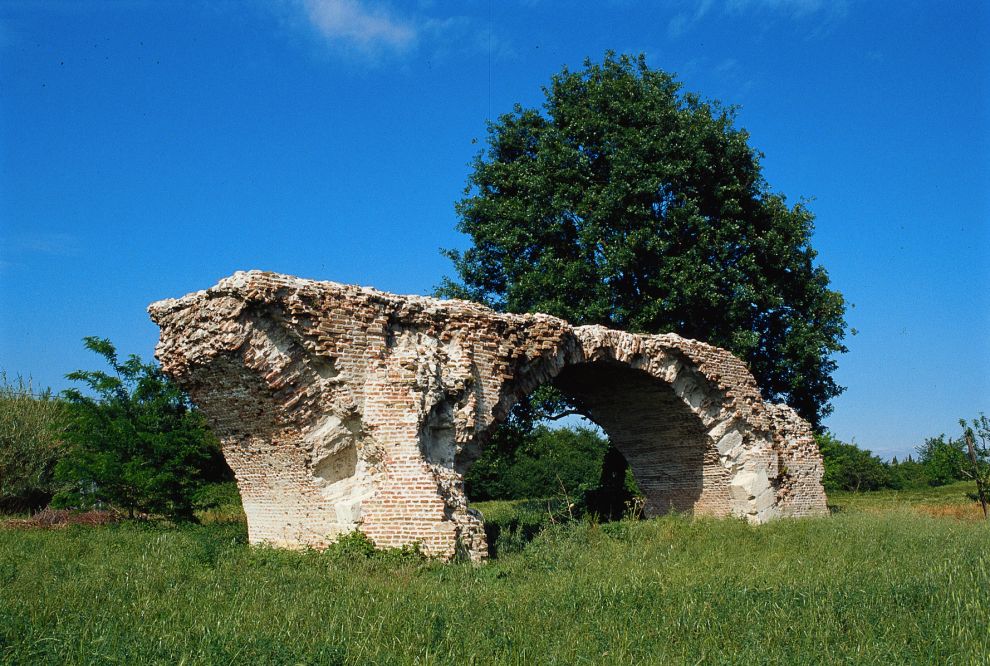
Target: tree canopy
[629, 203]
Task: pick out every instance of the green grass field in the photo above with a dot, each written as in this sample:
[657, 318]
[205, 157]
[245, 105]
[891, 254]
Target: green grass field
[882, 581]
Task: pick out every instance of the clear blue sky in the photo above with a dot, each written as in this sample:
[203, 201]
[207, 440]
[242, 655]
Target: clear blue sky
[148, 149]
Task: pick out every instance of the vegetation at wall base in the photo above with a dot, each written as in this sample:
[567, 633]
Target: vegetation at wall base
[877, 583]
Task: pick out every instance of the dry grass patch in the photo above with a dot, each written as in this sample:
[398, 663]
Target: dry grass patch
[58, 518]
[958, 511]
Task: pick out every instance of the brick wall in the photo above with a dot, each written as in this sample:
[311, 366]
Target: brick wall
[342, 408]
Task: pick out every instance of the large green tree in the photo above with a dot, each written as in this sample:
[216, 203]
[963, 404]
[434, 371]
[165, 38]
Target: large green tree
[629, 203]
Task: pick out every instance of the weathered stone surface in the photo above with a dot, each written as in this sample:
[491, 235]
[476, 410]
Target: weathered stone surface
[342, 408]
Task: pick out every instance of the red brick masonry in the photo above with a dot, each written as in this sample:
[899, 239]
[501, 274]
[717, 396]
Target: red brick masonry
[342, 408]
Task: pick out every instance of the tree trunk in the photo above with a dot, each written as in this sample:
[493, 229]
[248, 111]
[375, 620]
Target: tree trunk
[976, 473]
[609, 499]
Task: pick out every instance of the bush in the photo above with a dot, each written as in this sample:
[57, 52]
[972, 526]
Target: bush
[31, 427]
[138, 445]
[848, 467]
[945, 460]
[542, 463]
[908, 474]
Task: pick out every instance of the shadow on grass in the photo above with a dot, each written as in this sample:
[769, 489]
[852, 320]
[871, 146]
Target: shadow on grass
[511, 524]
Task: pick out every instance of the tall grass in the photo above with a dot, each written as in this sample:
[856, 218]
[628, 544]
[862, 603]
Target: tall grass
[922, 499]
[31, 426]
[859, 587]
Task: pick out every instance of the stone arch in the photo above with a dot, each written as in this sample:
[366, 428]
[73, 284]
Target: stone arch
[343, 408]
[688, 446]
[662, 439]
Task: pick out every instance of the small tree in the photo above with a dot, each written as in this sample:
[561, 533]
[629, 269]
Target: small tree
[976, 436]
[137, 444]
[944, 459]
[31, 426]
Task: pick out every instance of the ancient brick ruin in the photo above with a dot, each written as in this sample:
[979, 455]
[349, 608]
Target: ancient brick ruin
[343, 408]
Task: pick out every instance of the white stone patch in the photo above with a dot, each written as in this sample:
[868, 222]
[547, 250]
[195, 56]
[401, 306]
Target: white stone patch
[328, 438]
[752, 495]
[729, 441]
[348, 512]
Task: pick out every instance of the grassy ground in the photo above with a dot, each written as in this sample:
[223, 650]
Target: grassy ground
[956, 500]
[880, 582]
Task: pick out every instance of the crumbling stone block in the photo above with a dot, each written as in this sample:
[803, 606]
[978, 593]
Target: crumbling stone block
[342, 408]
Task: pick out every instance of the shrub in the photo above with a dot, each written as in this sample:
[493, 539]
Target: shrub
[944, 459]
[357, 546]
[908, 474]
[545, 462]
[138, 445]
[848, 467]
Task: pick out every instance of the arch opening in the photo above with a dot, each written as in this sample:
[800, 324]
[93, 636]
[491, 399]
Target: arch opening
[664, 442]
[642, 424]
